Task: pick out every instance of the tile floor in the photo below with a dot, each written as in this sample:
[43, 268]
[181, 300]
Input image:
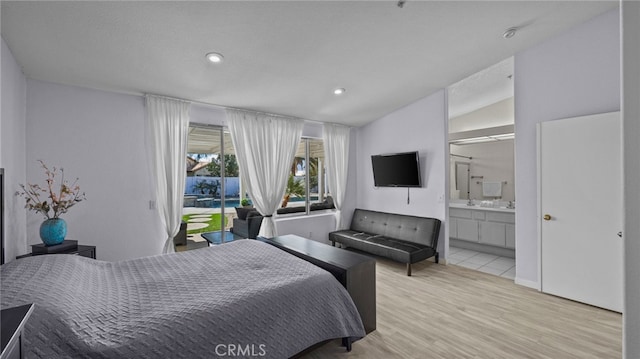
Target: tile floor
[483, 262]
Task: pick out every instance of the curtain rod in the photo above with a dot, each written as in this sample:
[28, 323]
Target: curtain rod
[266, 113]
[241, 109]
[262, 113]
[166, 97]
[451, 154]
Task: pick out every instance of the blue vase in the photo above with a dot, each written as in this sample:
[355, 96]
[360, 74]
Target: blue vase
[53, 231]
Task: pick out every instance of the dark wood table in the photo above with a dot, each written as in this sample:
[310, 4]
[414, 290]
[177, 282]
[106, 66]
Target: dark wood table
[219, 237]
[11, 326]
[356, 272]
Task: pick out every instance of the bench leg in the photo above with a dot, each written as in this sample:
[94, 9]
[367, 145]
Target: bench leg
[347, 343]
[437, 257]
[409, 269]
[333, 243]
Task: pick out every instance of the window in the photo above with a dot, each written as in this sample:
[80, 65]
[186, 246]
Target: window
[306, 188]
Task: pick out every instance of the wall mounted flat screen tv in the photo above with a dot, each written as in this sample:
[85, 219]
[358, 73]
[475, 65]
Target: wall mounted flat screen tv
[396, 170]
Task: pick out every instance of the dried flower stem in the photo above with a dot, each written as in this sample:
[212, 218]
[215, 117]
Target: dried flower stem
[60, 201]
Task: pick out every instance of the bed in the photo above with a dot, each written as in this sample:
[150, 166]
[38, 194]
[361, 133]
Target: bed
[245, 298]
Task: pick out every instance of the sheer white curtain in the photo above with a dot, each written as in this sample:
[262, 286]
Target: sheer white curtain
[336, 154]
[265, 146]
[168, 124]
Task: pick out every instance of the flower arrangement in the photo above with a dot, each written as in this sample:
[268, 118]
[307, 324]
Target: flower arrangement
[57, 202]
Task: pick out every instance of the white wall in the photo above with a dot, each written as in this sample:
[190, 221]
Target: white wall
[574, 74]
[98, 137]
[631, 133]
[207, 115]
[494, 115]
[12, 151]
[420, 126]
[493, 161]
[315, 226]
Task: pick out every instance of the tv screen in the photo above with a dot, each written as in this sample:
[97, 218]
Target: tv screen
[396, 170]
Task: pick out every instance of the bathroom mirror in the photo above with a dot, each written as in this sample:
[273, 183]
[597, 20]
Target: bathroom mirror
[462, 175]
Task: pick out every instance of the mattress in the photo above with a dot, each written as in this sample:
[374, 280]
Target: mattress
[244, 298]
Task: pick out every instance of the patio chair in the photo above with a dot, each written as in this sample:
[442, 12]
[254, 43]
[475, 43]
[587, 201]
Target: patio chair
[248, 227]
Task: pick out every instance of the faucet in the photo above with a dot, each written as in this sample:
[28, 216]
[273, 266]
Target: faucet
[470, 202]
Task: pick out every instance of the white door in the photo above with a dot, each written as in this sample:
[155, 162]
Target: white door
[581, 209]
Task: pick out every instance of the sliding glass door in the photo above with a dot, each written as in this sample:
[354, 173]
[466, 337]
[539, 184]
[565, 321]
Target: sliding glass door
[213, 187]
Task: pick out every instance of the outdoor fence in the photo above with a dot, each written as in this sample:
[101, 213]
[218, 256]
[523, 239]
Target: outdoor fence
[205, 186]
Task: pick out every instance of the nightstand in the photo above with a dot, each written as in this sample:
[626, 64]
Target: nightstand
[81, 250]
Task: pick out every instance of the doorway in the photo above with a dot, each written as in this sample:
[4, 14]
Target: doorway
[482, 171]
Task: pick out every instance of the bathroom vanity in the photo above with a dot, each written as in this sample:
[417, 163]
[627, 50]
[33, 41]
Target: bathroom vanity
[486, 229]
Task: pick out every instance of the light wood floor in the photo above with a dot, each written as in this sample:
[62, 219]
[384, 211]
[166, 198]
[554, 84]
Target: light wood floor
[453, 312]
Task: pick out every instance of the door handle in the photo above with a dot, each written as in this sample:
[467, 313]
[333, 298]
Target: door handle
[620, 234]
[547, 217]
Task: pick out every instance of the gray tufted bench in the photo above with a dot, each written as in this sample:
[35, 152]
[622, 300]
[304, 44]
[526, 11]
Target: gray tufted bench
[402, 238]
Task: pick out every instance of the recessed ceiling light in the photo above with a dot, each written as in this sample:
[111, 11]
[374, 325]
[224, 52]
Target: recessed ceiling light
[339, 91]
[215, 57]
[510, 32]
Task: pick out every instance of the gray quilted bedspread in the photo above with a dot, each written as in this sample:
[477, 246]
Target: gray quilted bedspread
[244, 298]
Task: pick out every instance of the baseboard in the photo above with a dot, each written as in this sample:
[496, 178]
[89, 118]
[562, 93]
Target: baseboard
[527, 283]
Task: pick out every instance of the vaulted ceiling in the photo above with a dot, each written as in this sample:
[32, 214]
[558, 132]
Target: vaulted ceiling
[281, 57]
